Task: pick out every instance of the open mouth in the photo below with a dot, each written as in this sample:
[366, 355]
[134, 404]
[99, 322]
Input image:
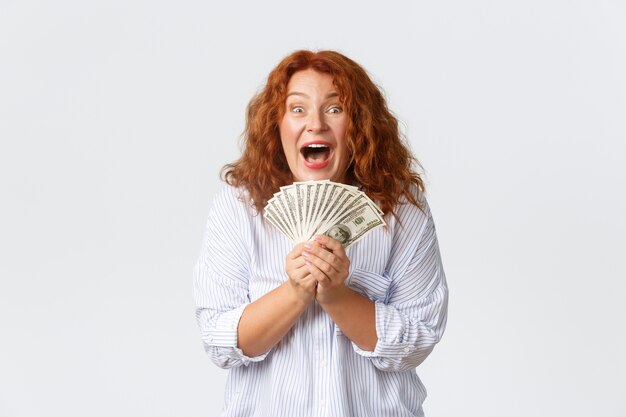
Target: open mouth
[315, 153]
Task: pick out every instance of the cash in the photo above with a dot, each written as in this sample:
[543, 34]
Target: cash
[305, 209]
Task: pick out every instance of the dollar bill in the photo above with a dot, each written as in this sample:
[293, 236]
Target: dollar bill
[354, 225]
[303, 209]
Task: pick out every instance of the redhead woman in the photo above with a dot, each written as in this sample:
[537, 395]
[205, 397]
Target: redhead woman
[316, 329]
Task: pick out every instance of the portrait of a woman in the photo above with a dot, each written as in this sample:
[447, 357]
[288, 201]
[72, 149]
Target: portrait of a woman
[316, 329]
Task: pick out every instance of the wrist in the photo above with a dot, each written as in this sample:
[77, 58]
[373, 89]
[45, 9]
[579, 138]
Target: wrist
[327, 298]
[297, 296]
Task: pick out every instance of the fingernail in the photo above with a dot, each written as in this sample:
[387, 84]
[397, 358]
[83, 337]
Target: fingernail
[307, 245]
[305, 254]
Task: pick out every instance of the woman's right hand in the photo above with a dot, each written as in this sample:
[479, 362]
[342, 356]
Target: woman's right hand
[302, 284]
[265, 321]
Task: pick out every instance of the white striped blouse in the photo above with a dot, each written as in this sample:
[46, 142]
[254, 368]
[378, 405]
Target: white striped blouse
[315, 370]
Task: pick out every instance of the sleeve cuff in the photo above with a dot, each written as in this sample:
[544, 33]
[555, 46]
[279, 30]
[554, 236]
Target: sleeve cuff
[391, 331]
[370, 284]
[224, 336]
[386, 350]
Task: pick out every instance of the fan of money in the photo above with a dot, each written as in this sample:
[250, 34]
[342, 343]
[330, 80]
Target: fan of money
[305, 209]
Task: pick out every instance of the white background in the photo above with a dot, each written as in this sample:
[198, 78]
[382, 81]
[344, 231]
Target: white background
[116, 116]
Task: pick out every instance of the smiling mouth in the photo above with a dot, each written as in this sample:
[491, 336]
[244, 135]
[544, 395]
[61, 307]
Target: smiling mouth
[315, 153]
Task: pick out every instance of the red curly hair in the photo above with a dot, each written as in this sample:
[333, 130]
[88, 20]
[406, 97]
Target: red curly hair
[380, 161]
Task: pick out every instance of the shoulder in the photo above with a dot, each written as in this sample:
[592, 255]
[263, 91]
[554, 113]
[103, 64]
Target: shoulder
[412, 226]
[230, 207]
[231, 217]
[407, 212]
[234, 199]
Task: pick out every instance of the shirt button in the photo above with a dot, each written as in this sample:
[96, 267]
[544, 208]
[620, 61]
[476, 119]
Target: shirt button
[210, 338]
[322, 327]
[323, 363]
[322, 403]
[406, 350]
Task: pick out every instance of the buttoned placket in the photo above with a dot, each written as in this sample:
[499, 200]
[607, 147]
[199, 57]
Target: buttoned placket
[321, 346]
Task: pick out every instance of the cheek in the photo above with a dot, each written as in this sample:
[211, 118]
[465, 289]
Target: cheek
[283, 131]
[341, 131]
[342, 140]
[288, 141]
[287, 132]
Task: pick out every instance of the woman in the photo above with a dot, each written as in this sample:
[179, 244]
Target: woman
[314, 329]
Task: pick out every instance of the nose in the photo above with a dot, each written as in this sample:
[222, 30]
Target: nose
[316, 122]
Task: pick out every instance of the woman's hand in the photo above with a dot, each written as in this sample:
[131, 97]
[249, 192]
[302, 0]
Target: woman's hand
[265, 321]
[326, 261]
[301, 283]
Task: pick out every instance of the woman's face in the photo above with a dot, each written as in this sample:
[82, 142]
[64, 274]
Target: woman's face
[313, 129]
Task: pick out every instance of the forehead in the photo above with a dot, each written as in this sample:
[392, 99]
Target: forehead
[309, 80]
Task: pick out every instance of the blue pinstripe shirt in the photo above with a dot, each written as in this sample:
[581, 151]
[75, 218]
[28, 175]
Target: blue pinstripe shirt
[315, 370]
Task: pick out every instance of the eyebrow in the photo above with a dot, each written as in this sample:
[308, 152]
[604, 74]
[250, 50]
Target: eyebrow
[297, 93]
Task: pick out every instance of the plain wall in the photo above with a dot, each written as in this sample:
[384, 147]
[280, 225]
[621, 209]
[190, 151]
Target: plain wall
[116, 117]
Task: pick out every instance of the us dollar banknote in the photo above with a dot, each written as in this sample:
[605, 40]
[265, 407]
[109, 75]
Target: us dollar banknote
[304, 209]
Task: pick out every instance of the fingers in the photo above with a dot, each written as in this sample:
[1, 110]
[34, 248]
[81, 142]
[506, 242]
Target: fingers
[302, 284]
[328, 263]
[294, 262]
[327, 254]
[330, 243]
[313, 248]
[301, 281]
[318, 275]
[327, 291]
[295, 252]
[321, 264]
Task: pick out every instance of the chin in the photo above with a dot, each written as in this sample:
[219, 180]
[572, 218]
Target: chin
[318, 176]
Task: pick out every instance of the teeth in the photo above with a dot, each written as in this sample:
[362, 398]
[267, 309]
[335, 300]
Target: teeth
[317, 145]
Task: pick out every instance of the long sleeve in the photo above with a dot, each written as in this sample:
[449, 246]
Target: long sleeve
[315, 368]
[411, 315]
[221, 279]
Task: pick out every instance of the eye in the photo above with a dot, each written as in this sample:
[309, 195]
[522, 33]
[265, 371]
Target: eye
[297, 109]
[335, 110]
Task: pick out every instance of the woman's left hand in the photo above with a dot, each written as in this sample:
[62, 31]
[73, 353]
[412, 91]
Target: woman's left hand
[328, 264]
